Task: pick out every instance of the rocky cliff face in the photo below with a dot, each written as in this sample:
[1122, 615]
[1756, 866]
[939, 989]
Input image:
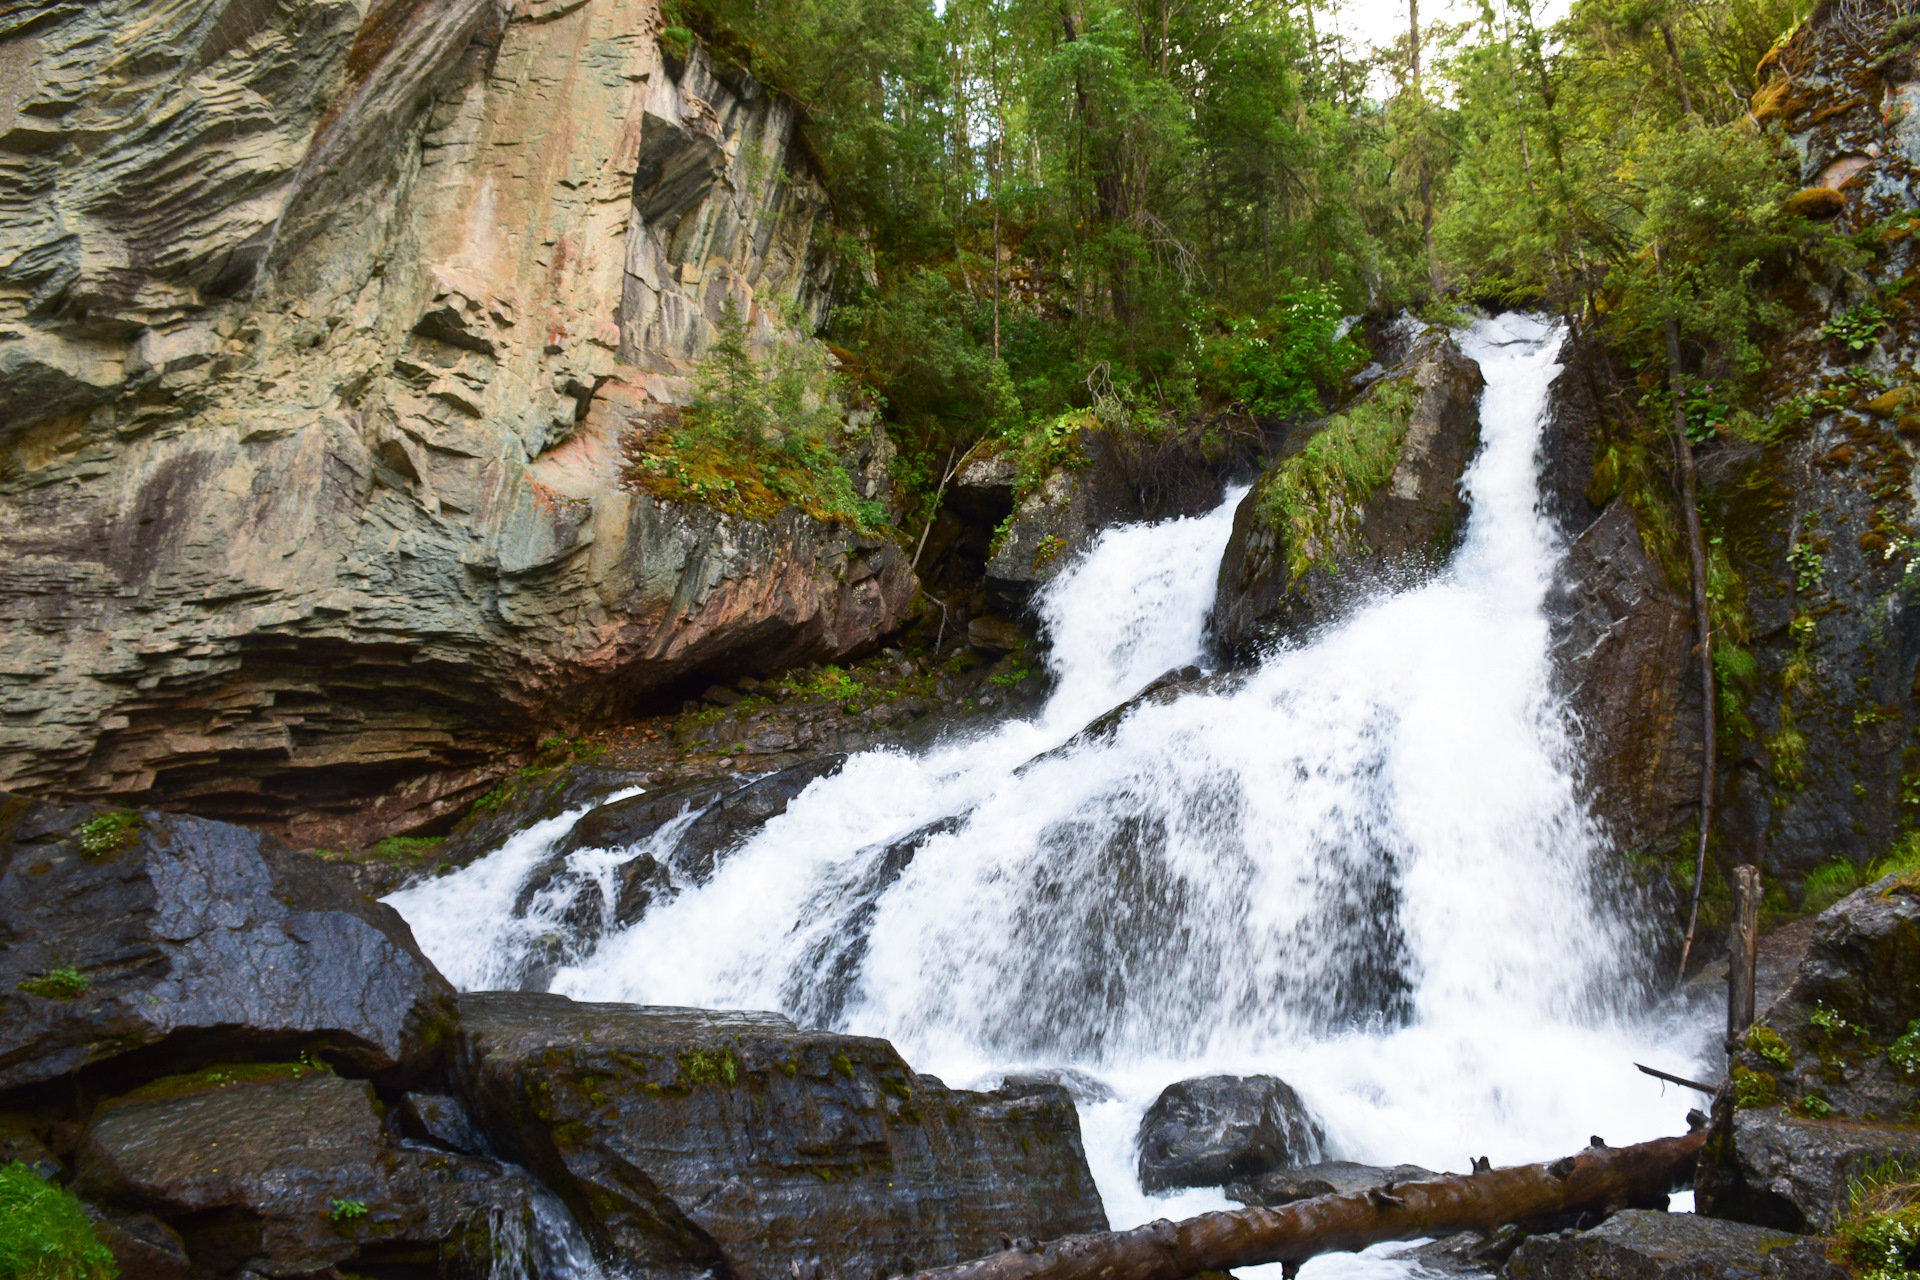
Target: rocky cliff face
[324, 335]
[1811, 516]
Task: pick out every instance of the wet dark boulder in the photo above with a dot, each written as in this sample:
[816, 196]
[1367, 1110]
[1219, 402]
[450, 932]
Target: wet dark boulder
[1363, 496]
[623, 824]
[1328, 1178]
[1769, 1166]
[1823, 1084]
[1644, 1244]
[704, 1141]
[132, 944]
[1213, 1130]
[284, 1171]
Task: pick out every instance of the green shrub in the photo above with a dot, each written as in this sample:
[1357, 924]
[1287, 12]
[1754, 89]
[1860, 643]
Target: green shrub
[1904, 1053]
[45, 1234]
[1283, 362]
[1879, 1238]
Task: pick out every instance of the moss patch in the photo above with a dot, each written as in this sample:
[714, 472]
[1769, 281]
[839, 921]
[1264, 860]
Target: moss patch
[1315, 498]
[57, 984]
[226, 1075]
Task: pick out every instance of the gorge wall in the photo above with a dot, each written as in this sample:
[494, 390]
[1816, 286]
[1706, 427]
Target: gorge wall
[1810, 514]
[324, 335]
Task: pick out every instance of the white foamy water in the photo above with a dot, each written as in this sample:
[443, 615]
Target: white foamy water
[1364, 867]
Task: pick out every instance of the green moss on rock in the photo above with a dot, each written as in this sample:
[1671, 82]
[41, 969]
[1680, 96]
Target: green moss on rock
[1314, 500]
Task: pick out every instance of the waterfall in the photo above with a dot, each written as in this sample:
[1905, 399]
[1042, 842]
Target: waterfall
[1363, 867]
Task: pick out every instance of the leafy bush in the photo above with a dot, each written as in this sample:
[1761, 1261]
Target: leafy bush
[45, 1234]
[1858, 328]
[1285, 361]
[1880, 1236]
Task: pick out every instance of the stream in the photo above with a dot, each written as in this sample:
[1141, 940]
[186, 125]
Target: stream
[1364, 867]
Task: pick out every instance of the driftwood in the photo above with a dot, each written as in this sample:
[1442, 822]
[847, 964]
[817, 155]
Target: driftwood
[1743, 937]
[1599, 1178]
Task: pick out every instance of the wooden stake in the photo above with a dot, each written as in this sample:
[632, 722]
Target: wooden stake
[1598, 1179]
[1743, 950]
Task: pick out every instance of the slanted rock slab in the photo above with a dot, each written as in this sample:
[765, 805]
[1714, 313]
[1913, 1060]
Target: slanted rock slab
[1302, 543]
[1328, 1178]
[703, 1140]
[148, 942]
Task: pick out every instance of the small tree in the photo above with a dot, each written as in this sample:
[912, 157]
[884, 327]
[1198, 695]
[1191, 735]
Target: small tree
[732, 406]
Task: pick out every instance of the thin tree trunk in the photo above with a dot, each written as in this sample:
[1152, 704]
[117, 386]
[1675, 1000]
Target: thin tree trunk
[1426, 166]
[1598, 1179]
[1702, 621]
[1679, 72]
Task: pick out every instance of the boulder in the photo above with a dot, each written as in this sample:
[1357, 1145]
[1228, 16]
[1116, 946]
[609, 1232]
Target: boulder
[1304, 542]
[1213, 1130]
[1645, 1244]
[1824, 1083]
[286, 1170]
[709, 1141]
[136, 943]
[737, 815]
[1328, 1178]
[1777, 1169]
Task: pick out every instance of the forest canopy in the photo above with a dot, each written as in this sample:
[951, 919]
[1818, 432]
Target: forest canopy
[1160, 209]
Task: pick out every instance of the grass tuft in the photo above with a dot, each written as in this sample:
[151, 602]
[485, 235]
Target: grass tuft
[45, 1234]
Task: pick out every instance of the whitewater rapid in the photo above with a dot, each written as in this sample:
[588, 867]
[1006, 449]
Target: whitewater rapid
[1364, 867]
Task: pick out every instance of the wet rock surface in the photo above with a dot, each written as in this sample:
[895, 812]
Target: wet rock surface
[316, 508]
[1213, 1130]
[1821, 1089]
[1110, 480]
[290, 1175]
[1274, 583]
[1328, 1178]
[1641, 1244]
[701, 1139]
[137, 942]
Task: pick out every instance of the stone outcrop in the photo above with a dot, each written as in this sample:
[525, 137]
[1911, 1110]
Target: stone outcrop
[699, 1142]
[133, 943]
[1108, 478]
[320, 365]
[292, 1172]
[1213, 1130]
[264, 1078]
[1644, 1244]
[1277, 581]
[1823, 1087]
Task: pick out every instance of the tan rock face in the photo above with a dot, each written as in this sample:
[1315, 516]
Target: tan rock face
[323, 335]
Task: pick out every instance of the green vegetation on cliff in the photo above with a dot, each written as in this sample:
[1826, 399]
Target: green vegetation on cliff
[44, 1233]
[1316, 497]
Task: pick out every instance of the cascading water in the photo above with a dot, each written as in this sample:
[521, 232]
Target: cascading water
[1363, 867]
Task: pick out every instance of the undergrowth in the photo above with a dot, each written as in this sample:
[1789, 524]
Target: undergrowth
[44, 1233]
[1879, 1238]
[757, 438]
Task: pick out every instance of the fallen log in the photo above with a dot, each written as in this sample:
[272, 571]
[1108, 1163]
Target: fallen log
[1599, 1178]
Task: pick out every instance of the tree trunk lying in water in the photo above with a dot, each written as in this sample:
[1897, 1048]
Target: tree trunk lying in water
[1598, 1178]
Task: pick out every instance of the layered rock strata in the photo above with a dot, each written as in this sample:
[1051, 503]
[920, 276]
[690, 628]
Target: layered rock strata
[321, 362]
